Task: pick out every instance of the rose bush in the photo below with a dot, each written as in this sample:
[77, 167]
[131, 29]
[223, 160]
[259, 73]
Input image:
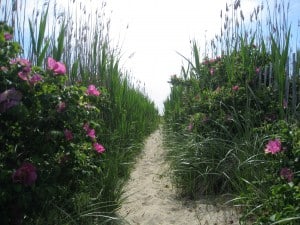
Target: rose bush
[279, 200]
[46, 155]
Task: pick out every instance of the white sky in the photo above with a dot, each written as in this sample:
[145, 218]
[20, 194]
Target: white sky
[157, 29]
[150, 32]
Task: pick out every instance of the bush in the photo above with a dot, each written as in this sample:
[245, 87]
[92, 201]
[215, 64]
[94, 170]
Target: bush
[50, 147]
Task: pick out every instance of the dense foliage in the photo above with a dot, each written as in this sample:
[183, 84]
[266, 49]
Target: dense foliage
[64, 148]
[232, 129]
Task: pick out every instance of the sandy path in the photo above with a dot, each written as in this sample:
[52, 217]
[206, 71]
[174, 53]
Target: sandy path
[150, 198]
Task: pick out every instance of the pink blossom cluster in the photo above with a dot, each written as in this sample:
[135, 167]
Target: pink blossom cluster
[56, 67]
[9, 98]
[235, 88]
[8, 36]
[273, 146]
[92, 90]
[92, 134]
[68, 135]
[287, 174]
[25, 73]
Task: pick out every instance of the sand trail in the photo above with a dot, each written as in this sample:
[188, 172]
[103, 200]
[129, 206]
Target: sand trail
[150, 198]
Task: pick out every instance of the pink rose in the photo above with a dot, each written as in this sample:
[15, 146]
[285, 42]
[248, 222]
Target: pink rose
[68, 135]
[98, 147]
[86, 127]
[235, 88]
[273, 146]
[91, 133]
[35, 79]
[92, 90]
[287, 174]
[8, 36]
[60, 107]
[58, 68]
[9, 98]
[26, 174]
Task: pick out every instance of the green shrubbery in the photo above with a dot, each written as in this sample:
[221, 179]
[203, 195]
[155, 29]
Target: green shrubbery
[231, 129]
[64, 154]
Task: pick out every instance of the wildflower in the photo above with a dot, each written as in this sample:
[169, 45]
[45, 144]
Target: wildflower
[98, 147]
[9, 98]
[212, 71]
[60, 107]
[58, 68]
[8, 36]
[35, 79]
[23, 75]
[21, 62]
[235, 88]
[287, 174]
[26, 174]
[91, 133]
[273, 146]
[68, 135]
[92, 90]
[86, 127]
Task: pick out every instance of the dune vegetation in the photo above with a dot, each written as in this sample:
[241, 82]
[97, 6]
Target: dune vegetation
[232, 118]
[71, 120]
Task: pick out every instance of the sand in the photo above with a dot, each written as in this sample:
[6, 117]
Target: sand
[151, 199]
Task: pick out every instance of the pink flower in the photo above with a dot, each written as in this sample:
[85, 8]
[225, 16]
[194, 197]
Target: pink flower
[212, 71]
[8, 36]
[35, 79]
[91, 133]
[92, 90]
[235, 88]
[287, 174]
[60, 107]
[21, 62]
[86, 127]
[9, 98]
[26, 174]
[68, 135]
[98, 147]
[58, 68]
[23, 75]
[273, 146]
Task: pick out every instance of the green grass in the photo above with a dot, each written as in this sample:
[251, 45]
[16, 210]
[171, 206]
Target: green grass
[82, 42]
[216, 135]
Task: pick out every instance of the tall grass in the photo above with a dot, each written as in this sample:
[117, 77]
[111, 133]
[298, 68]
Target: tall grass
[217, 111]
[78, 35]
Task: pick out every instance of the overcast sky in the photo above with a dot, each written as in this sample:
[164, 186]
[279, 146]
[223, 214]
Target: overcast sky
[152, 31]
[157, 29]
